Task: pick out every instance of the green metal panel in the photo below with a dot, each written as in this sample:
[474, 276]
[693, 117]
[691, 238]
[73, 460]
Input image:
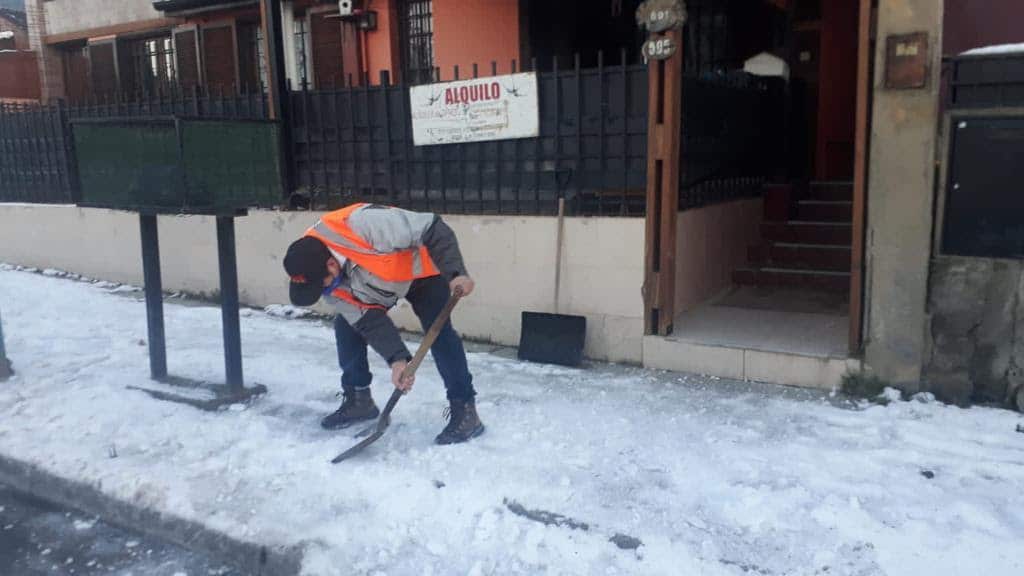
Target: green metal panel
[178, 165]
[231, 164]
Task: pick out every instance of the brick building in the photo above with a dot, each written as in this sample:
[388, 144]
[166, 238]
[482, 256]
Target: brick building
[93, 48]
[19, 77]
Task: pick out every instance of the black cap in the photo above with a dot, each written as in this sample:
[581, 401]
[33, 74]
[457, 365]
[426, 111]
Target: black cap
[306, 264]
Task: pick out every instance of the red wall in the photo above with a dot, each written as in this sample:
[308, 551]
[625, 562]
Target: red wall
[975, 23]
[472, 31]
[465, 31]
[381, 46]
[19, 76]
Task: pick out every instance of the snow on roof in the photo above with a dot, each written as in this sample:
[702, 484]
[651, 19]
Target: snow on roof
[995, 50]
[17, 17]
[765, 64]
[6, 34]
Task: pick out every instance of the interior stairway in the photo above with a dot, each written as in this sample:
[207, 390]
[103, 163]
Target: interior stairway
[805, 238]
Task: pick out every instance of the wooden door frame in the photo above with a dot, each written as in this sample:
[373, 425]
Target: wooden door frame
[865, 60]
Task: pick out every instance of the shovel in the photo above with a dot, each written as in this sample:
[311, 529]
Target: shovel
[375, 431]
[553, 338]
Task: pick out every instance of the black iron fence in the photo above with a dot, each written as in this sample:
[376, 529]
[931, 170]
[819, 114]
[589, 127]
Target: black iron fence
[355, 144]
[732, 138]
[35, 155]
[196, 102]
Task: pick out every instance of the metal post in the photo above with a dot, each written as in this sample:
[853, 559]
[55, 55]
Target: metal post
[5, 365]
[154, 296]
[279, 97]
[229, 302]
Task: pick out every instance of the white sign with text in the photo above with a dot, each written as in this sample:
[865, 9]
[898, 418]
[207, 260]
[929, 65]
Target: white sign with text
[495, 108]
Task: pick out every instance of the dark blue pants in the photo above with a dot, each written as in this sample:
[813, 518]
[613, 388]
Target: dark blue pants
[427, 296]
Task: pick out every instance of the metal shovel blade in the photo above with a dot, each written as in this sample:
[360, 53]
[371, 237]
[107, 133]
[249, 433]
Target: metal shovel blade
[359, 447]
[371, 429]
[375, 431]
[385, 417]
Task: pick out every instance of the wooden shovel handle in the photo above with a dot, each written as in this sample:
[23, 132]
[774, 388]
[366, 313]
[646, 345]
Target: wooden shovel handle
[432, 334]
[421, 352]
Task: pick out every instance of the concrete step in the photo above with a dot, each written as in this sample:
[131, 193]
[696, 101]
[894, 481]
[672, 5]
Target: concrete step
[832, 281]
[824, 210]
[839, 191]
[807, 232]
[800, 256]
[754, 362]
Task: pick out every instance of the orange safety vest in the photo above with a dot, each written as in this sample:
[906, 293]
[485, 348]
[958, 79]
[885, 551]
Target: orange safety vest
[402, 266]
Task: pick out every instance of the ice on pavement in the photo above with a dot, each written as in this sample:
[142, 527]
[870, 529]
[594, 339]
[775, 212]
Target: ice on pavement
[713, 477]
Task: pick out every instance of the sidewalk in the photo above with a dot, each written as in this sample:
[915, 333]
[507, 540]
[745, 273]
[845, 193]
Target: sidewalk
[711, 477]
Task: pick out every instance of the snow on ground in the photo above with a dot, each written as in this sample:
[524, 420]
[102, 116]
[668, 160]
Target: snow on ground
[714, 477]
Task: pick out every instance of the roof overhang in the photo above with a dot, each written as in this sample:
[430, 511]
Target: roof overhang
[189, 7]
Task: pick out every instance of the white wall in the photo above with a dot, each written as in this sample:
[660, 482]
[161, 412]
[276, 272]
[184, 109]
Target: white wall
[64, 16]
[711, 243]
[512, 259]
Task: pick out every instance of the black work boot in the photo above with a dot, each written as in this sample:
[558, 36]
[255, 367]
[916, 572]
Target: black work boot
[463, 423]
[357, 407]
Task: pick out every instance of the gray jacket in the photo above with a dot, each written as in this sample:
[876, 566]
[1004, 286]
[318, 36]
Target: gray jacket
[390, 230]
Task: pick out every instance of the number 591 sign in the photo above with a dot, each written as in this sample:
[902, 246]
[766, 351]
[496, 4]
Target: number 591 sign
[661, 15]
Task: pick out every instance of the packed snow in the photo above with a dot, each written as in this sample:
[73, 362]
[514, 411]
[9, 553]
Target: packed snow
[707, 477]
[994, 50]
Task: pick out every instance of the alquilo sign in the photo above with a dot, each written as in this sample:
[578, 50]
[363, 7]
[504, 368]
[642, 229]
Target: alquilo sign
[495, 108]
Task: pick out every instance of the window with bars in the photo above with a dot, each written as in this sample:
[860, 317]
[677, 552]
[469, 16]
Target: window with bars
[301, 34]
[153, 63]
[417, 41]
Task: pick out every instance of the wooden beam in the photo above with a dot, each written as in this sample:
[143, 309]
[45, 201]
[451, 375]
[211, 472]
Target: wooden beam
[117, 29]
[860, 173]
[664, 137]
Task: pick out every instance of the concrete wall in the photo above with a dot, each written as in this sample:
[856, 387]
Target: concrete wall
[71, 15]
[51, 74]
[710, 244]
[512, 259]
[900, 193]
[976, 336]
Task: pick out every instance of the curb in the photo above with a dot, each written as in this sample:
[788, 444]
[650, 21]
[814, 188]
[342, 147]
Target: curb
[249, 557]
